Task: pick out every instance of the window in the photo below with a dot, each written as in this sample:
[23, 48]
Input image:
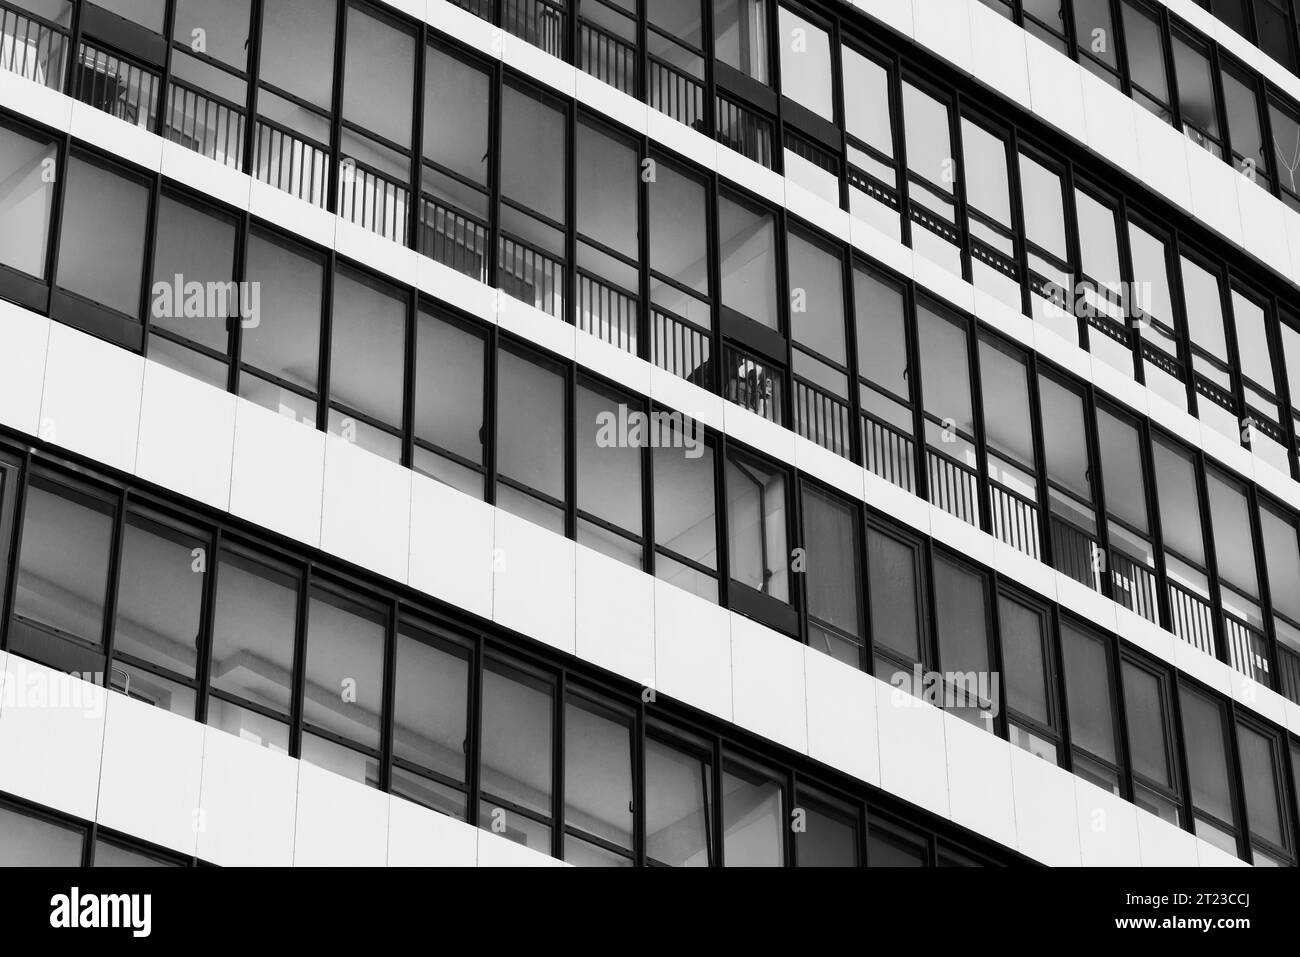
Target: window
[949, 413]
[740, 36]
[685, 510]
[679, 805]
[1203, 303]
[821, 387]
[63, 562]
[29, 840]
[1151, 305]
[1102, 281]
[1090, 697]
[753, 818]
[430, 721]
[1273, 31]
[1234, 556]
[889, 846]
[1150, 741]
[367, 356]
[829, 837]
[1009, 445]
[598, 798]
[931, 174]
[116, 854]
[880, 315]
[894, 587]
[1050, 273]
[1132, 564]
[450, 365]
[1029, 678]
[101, 249]
[988, 210]
[285, 353]
[147, 13]
[515, 755]
[1196, 99]
[1261, 416]
[1205, 737]
[253, 635]
[1266, 795]
[747, 260]
[27, 170]
[869, 148]
[756, 527]
[1282, 561]
[193, 297]
[608, 481]
[806, 64]
[1095, 39]
[160, 602]
[1147, 71]
[680, 316]
[530, 439]
[1180, 511]
[225, 36]
[294, 34]
[961, 617]
[606, 177]
[1242, 107]
[1285, 123]
[343, 680]
[1069, 479]
[832, 581]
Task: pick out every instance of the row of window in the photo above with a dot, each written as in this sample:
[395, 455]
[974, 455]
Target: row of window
[209, 625]
[279, 651]
[38, 837]
[947, 412]
[519, 190]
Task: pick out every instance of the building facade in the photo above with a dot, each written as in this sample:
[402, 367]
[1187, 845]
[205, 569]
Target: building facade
[649, 432]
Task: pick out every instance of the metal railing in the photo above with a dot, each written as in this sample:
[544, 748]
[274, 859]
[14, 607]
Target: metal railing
[607, 312]
[607, 57]
[1075, 553]
[373, 200]
[889, 452]
[1133, 585]
[676, 94]
[744, 131]
[1247, 648]
[116, 86]
[823, 417]
[32, 50]
[1191, 618]
[680, 347]
[291, 163]
[206, 125]
[954, 487]
[753, 384]
[538, 22]
[531, 275]
[454, 239]
[1015, 519]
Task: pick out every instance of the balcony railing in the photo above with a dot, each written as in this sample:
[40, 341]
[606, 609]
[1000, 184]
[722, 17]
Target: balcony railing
[531, 275]
[538, 22]
[680, 347]
[206, 125]
[32, 50]
[454, 239]
[291, 163]
[889, 452]
[1191, 618]
[744, 131]
[373, 200]
[753, 384]
[1015, 519]
[607, 312]
[954, 487]
[676, 94]
[608, 58]
[116, 86]
[1133, 585]
[822, 417]
[1247, 648]
[1075, 553]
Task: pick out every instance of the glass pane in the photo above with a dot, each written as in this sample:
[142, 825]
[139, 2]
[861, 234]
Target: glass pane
[193, 266]
[1196, 92]
[63, 565]
[866, 105]
[608, 455]
[530, 423]
[1024, 660]
[108, 854]
[378, 81]
[985, 156]
[816, 298]
[1241, 105]
[1203, 296]
[740, 36]
[160, 596]
[886, 849]
[1146, 51]
[1044, 208]
[27, 841]
[831, 561]
[685, 510]
[101, 250]
[752, 821]
[678, 240]
[147, 13]
[516, 745]
[881, 328]
[220, 26]
[449, 386]
[1089, 692]
[945, 370]
[605, 182]
[1093, 30]
[1179, 501]
[532, 152]
[961, 618]
[1252, 339]
[747, 241]
[1204, 735]
[806, 64]
[828, 839]
[253, 632]
[1098, 248]
[287, 344]
[926, 133]
[1004, 380]
[1283, 561]
[345, 665]
[1234, 545]
[368, 347]
[598, 773]
[429, 703]
[455, 115]
[894, 594]
[756, 527]
[27, 170]
[1151, 276]
[297, 48]
[1063, 430]
[1148, 726]
[677, 806]
[1121, 463]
